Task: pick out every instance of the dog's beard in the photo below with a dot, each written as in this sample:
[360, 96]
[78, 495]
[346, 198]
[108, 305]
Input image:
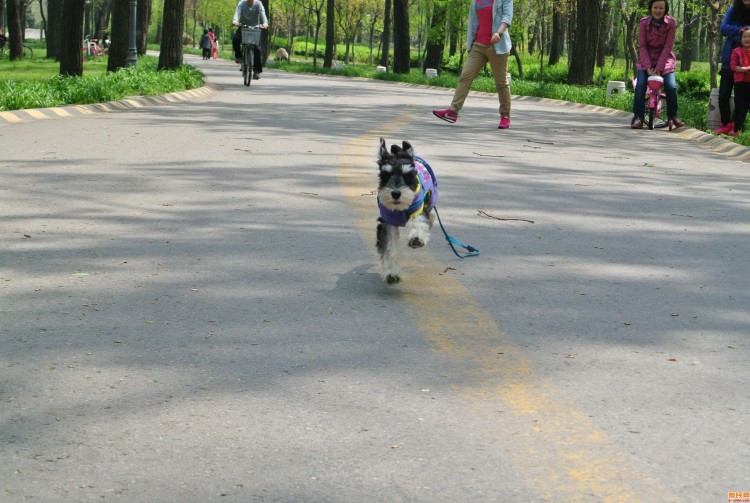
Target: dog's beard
[385, 195]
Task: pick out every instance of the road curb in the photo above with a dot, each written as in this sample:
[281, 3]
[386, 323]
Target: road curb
[717, 144]
[133, 103]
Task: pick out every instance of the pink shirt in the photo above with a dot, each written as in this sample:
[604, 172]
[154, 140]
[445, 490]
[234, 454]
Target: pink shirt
[484, 10]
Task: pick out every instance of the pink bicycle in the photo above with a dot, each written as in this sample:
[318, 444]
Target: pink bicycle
[656, 101]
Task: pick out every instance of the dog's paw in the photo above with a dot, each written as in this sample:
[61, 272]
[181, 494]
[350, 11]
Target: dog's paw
[416, 243]
[392, 279]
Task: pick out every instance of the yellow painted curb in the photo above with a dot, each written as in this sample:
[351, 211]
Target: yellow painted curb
[132, 103]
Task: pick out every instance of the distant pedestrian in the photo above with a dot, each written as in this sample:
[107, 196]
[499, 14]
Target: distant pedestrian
[214, 43]
[487, 40]
[205, 44]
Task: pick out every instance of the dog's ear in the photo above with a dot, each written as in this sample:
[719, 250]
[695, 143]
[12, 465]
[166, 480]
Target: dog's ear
[395, 149]
[408, 150]
[383, 150]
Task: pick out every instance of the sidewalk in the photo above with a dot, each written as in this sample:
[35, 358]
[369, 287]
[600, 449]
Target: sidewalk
[191, 307]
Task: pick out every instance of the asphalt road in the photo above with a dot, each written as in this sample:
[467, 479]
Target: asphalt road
[190, 308]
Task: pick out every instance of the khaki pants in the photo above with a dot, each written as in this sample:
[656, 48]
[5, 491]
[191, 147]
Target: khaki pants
[480, 55]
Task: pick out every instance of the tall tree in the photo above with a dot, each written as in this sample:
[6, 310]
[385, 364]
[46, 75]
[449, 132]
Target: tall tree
[170, 55]
[401, 39]
[330, 34]
[386, 52]
[15, 29]
[71, 58]
[435, 38]
[558, 35]
[118, 49]
[585, 38]
[54, 28]
[142, 22]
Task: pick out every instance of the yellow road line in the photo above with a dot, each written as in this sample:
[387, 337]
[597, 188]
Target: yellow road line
[558, 449]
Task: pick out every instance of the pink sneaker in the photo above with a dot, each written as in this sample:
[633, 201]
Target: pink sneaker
[447, 115]
[504, 123]
[725, 129]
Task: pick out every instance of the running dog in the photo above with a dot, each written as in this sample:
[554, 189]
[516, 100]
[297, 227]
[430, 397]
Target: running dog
[407, 194]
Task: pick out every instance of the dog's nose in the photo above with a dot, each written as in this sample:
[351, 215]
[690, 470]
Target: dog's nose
[395, 194]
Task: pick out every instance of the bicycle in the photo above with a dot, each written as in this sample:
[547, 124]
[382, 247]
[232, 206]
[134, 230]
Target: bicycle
[656, 101]
[91, 48]
[250, 40]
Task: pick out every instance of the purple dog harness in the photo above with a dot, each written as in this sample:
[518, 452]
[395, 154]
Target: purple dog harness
[427, 187]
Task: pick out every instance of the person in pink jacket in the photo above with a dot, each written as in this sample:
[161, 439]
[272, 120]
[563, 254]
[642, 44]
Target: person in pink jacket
[740, 65]
[656, 57]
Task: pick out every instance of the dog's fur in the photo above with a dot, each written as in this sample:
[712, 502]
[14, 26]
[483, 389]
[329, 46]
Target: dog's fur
[399, 186]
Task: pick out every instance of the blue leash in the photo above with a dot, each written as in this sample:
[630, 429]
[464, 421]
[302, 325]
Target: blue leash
[452, 242]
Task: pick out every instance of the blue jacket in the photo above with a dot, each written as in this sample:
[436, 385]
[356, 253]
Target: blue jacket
[730, 28]
[502, 12]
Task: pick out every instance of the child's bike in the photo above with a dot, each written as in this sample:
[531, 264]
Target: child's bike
[250, 39]
[655, 102]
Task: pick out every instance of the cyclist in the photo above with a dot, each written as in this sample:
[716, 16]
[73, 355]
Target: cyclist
[249, 13]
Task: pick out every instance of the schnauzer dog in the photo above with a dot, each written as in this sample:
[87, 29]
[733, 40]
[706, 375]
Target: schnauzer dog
[407, 193]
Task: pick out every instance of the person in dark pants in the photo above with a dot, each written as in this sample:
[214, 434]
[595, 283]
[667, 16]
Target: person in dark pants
[736, 18]
[249, 13]
[205, 44]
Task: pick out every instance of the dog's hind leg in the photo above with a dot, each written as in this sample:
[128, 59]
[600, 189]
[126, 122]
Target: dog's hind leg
[418, 231]
[387, 241]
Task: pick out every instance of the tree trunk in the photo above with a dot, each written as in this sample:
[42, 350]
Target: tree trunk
[585, 37]
[534, 39]
[435, 39]
[558, 36]
[15, 30]
[330, 34]
[54, 28]
[603, 34]
[142, 20]
[714, 47]
[71, 58]
[170, 56]
[118, 49]
[687, 52]
[401, 46]
[44, 19]
[386, 50]
[101, 18]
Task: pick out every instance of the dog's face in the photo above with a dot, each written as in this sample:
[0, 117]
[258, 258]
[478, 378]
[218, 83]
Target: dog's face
[399, 182]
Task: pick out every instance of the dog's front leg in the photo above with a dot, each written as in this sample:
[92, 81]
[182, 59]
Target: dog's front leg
[418, 231]
[387, 241]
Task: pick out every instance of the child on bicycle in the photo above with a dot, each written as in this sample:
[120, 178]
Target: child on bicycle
[740, 65]
[656, 57]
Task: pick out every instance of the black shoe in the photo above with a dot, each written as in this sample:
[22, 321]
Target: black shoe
[238, 60]
[256, 76]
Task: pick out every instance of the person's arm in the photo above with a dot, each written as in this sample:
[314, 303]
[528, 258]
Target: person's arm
[237, 12]
[729, 27]
[666, 51]
[644, 60]
[735, 62]
[262, 17]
